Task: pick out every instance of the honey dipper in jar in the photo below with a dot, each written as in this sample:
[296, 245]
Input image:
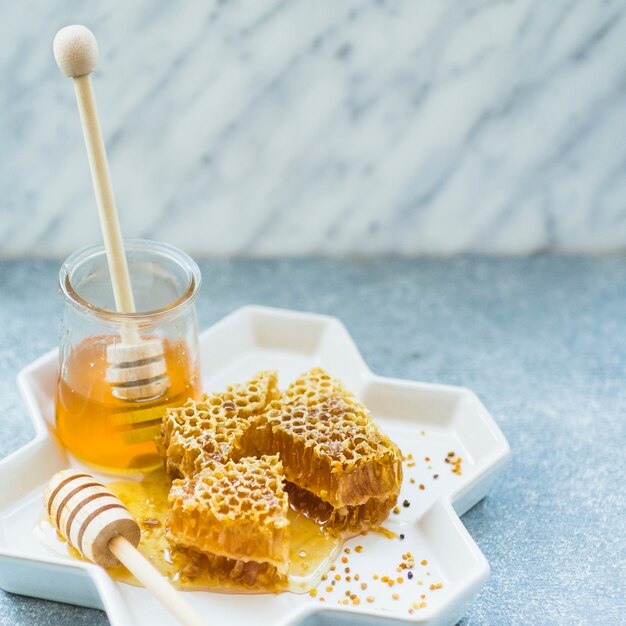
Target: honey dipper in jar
[102, 529]
[137, 368]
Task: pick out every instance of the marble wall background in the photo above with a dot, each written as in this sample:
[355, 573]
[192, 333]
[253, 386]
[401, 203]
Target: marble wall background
[265, 127]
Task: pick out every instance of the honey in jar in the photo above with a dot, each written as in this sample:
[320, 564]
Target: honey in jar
[95, 424]
[109, 432]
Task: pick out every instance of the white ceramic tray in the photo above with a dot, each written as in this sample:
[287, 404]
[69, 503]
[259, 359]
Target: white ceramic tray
[425, 420]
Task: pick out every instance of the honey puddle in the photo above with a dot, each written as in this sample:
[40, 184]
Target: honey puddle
[312, 548]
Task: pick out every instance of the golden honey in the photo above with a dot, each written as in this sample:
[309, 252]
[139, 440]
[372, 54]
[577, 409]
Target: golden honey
[311, 548]
[341, 469]
[105, 431]
[202, 440]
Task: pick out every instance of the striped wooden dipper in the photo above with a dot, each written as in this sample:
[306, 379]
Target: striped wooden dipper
[100, 527]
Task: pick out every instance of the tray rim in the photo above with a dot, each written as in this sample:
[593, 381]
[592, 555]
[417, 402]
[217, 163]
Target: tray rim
[487, 469]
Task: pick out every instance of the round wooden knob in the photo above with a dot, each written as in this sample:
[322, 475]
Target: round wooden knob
[88, 515]
[75, 50]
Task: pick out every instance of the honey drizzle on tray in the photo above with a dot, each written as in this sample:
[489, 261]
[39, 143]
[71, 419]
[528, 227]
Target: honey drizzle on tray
[312, 548]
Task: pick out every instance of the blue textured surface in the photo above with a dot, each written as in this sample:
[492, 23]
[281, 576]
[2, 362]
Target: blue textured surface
[541, 340]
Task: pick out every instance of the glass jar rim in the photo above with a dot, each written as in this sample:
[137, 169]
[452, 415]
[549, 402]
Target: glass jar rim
[189, 266]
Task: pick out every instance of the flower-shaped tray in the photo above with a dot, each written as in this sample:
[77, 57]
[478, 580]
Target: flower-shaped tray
[427, 421]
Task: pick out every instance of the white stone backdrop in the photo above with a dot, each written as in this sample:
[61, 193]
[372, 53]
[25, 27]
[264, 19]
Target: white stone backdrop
[315, 127]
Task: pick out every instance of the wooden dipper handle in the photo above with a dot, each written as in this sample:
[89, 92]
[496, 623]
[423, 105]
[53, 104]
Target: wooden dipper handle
[96, 523]
[76, 53]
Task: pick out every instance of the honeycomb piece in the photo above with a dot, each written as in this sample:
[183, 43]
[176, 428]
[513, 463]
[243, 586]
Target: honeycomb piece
[328, 443]
[230, 509]
[252, 397]
[316, 386]
[221, 569]
[236, 510]
[351, 518]
[210, 429]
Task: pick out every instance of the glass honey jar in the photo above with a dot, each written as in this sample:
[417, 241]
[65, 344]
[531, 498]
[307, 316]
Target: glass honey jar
[100, 426]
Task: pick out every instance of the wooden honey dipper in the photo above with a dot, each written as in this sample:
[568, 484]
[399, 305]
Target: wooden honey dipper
[137, 367]
[100, 527]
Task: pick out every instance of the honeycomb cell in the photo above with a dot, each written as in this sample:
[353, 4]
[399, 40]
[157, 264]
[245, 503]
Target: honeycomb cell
[236, 510]
[210, 429]
[328, 443]
[327, 456]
